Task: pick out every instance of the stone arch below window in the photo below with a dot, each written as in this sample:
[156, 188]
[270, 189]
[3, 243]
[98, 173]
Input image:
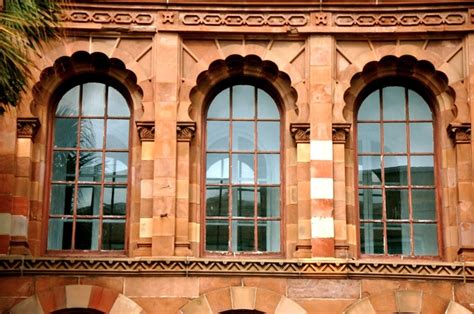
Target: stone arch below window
[75, 297]
[248, 299]
[405, 301]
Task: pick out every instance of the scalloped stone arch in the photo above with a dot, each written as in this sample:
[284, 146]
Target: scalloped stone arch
[405, 301]
[242, 298]
[409, 62]
[236, 66]
[78, 296]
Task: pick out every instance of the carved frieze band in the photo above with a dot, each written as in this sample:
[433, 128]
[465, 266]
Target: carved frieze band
[340, 132]
[224, 267]
[108, 17]
[403, 19]
[300, 132]
[460, 132]
[185, 131]
[238, 19]
[146, 130]
[27, 127]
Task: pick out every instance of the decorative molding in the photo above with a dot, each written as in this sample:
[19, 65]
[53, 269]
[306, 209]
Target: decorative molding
[241, 19]
[320, 18]
[167, 17]
[27, 127]
[403, 19]
[338, 268]
[146, 130]
[300, 132]
[103, 17]
[339, 132]
[460, 132]
[185, 131]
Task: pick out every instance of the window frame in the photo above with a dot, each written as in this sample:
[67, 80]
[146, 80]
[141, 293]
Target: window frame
[424, 92]
[57, 95]
[220, 87]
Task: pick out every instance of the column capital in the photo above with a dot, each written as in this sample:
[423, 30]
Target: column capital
[146, 130]
[339, 132]
[460, 132]
[300, 132]
[186, 130]
[27, 127]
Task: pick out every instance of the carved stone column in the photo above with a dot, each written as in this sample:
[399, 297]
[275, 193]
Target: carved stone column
[185, 133]
[301, 134]
[461, 134]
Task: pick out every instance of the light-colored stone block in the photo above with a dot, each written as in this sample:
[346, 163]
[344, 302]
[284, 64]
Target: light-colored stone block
[303, 152]
[5, 223]
[322, 188]
[194, 232]
[147, 150]
[23, 147]
[30, 305]
[19, 225]
[198, 306]
[321, 150]
[289, 306]
[456, 308]
[77, 296]
[146, 227]
[322, 227]
[243, 298]
[125, 305]
[146, 189]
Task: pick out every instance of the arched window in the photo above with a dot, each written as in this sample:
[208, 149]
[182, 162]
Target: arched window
[89, 170]
[396, 174]
[243, 181]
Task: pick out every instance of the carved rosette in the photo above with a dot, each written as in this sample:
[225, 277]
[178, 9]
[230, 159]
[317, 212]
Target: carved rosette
[146, 130]
[27, 127]
[185, 131]
[300, 132]
[339, 132]
[460, 132]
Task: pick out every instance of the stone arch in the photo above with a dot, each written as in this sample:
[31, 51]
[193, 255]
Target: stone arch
[78, 296]
[405, 301]
[242, 298]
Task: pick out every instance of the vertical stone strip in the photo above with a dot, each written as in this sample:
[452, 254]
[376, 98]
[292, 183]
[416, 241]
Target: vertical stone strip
[301, 134]
[146, 133]
[164, 179]
[321, 150]
[185, 132]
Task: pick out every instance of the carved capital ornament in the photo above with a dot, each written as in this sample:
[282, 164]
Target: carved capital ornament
[300, 132]
[185, 131]
[460, 132]
[146, 130]
[339, 132]
[27, 127]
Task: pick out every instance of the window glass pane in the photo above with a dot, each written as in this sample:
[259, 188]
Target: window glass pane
[217, 235]
[421, 137]
[113, 234]
[268, 201]
[243, 235]
[243, 136]
[370, 172]
[370, 204]
[92, 133]
[422, 172]
[115, 200]
[90, 166]
[217, 168]
[423, 204]
[418, 108]
[65, 132]
[398, 239]
[60, 234]
[116, 167]
[368, 137]
[220, 105]
[117, 105]
[268, 136]
[217, 135]
[394, 137]
[268, 168]
[62, 199]
[268, 236]
[243, 168]
[393, 103]
[370, 107]
[267, 108]
[217, 201]
[87, 234]
[371, 238]
[243, 101]
[243, 201]
[395, 170]
[93, 99]
[117, 134]
[397, 204]
[69, 103]
[88, 200]
[426, 239]
[64, 166]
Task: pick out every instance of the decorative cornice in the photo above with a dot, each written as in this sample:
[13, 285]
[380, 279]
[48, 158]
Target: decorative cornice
[400, 19]
[300, 132]
[339, 132]
[185, 131]
[107, 17]
[146, 130]
[244, 19]
[460, 132]
[27, 127]
[19, 265]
